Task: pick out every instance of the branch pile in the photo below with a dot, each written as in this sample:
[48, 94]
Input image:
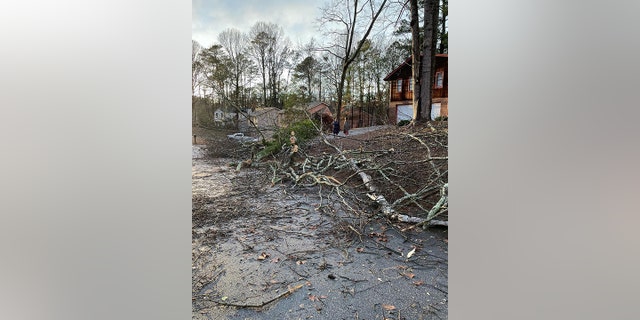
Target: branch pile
[402, 172]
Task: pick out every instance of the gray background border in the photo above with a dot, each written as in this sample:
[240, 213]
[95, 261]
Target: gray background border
[95, 181]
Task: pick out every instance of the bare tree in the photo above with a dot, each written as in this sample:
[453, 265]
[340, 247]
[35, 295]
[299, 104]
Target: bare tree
[235, 45]
[196, 75]
[278, 59]
[355, 20]
[261, 39]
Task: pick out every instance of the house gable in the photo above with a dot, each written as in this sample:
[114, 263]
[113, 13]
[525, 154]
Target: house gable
[401, 91]
[319, 107]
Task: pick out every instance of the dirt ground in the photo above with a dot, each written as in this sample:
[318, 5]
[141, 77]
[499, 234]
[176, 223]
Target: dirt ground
[279, 251]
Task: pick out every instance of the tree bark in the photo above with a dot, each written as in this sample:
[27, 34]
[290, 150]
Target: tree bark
[428, 57]
[415, 59]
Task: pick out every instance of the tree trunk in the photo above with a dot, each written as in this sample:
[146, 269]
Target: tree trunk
[343, 75]
[193, 111]
[415, 60]
[264, 85]
[428, 57]
[443, 26]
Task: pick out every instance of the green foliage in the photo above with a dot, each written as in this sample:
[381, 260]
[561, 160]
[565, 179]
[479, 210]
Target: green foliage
[271, 147]
[442, 118]
[291, 100]
[304, 130]
[403, 123]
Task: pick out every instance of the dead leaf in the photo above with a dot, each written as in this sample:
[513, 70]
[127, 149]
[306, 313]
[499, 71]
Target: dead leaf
[299, 262]
[411, 253]
[388, 307]
[263, 256]
[409, 275]
[418, 283]
[359, 249]
[275, 260]
[313, 298]
[224, 298]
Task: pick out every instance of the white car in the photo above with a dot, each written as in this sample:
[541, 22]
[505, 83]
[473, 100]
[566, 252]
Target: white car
[241, 137]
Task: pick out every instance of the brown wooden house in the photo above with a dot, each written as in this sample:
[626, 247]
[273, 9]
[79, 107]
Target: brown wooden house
[401, 103]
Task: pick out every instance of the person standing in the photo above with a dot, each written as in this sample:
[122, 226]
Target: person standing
[347, 126]
[336, 127]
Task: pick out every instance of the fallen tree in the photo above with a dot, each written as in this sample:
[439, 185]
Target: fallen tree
[306, 170]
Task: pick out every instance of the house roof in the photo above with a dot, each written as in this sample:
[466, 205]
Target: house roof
[315, 107]
[403, 71]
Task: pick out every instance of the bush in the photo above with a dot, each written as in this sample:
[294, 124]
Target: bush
[442, 118]
[304, 129]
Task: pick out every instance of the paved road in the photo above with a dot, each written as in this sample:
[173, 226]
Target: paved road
[360, 131]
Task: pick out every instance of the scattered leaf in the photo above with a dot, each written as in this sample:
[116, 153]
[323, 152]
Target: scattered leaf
[224, 298]
[359, 249]
[409, 275]
[275, 260]
[313, 298]
[388, 307]
[411, 253]
[418, 283]
[263, 256]
[299, 262]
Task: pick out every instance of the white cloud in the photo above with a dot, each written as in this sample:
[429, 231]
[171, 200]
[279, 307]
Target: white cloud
[296, 17]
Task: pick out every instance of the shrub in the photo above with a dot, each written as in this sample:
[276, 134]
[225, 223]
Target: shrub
[304, 130]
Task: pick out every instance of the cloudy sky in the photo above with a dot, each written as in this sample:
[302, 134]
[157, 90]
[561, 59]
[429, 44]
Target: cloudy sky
[296, 17]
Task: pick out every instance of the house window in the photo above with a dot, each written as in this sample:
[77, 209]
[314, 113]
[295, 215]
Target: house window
[399, 85]
[439, 79]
